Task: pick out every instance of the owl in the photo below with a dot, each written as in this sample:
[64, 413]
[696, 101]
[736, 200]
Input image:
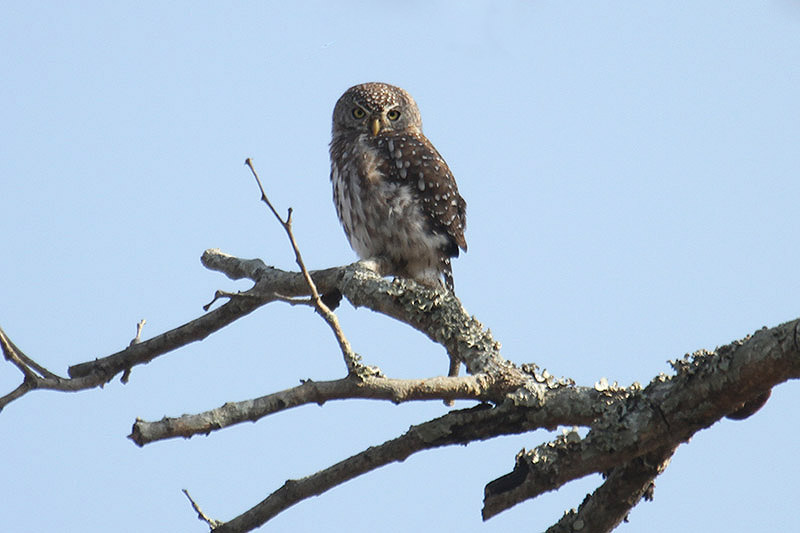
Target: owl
[394, 194]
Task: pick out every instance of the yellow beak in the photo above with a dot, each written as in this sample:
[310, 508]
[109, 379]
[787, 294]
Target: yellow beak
[375, 126]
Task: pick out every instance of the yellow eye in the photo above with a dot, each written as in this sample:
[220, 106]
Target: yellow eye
[359, 113]
[394, 114]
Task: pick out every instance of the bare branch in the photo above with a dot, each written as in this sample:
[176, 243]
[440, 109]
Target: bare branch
[17, 393]
[100, 371]
[11, 354]
[43, 380]
[270, 284]
[126, 374]
[200, 514]
[457, 427]
[481, 388]
[139, 327]
[707, 387]
[610, 504]
[10, 348]
[351, 359]
[632, 431]
[440, 316]
[192, 331]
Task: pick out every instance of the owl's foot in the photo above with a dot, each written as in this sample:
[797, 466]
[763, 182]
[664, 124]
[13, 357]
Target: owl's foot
[374, 264]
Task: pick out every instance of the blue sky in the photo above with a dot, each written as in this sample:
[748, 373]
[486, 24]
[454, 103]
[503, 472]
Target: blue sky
[631, 175]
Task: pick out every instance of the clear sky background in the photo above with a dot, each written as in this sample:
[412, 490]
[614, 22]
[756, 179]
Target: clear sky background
[631, 175]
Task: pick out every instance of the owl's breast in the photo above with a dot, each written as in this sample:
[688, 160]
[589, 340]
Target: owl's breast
[354, 176]
[381, 214]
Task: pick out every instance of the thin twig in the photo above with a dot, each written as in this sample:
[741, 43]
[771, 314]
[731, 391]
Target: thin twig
[192, 331]
[351, 359]
[126, 375]
[139, 327]
[47, 380]
[10, 354]
[219, 294]
[10, 348]
[213, 524]
[294, 301]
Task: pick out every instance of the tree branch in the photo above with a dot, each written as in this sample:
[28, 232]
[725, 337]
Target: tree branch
[457, 427]
[351, 359]
[707, 387]
[195, 330]
[37, 377]
[200, 514]
[651, 420]
[609, 505]
[417, 306]
[633, 431]
[440, 316]
[481, 388]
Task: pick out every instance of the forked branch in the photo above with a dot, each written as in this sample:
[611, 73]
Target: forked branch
[632, 431]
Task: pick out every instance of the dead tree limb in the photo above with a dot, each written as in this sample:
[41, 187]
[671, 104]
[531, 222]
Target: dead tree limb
[632, 431]
[481, 388]
[632, 434]
[706, 387]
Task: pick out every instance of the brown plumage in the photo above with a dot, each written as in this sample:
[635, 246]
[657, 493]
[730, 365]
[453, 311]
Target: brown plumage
[394, 194]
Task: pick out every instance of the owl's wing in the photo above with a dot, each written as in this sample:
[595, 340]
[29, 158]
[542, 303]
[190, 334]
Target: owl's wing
[417, 162]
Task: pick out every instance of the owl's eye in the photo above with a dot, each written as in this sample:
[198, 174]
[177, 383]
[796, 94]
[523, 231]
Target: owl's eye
[359, 113]
[394, 114]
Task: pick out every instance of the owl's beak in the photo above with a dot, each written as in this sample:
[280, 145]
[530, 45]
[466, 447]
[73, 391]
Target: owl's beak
[375, 126]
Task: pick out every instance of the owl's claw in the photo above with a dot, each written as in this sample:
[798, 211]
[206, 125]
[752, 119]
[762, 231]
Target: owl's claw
[371, 264]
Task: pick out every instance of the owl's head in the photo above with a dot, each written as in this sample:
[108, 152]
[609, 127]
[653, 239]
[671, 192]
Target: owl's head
[374, 108]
